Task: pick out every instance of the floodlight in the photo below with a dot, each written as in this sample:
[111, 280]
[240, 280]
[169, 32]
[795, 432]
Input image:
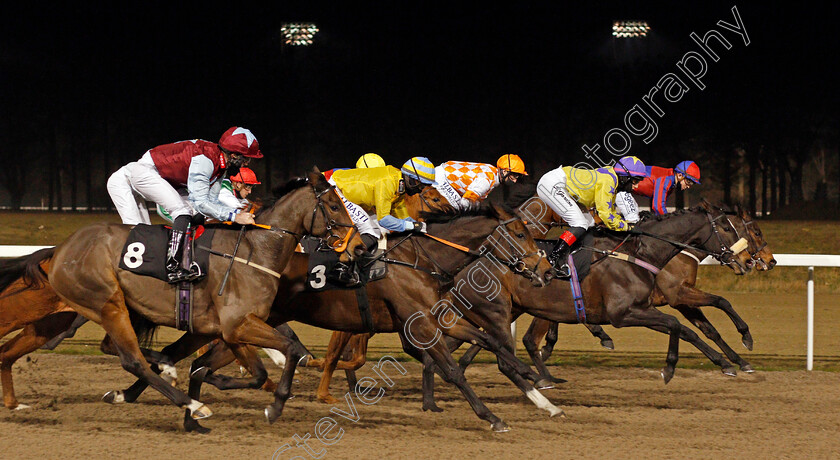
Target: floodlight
[298, 33]
[630, 29]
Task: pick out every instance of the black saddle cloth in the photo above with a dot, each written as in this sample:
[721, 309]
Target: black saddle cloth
[581, 257]
[144, 252]
[322, 262]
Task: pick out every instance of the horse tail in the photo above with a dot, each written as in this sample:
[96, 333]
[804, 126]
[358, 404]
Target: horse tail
[28, 268]
[144, 329]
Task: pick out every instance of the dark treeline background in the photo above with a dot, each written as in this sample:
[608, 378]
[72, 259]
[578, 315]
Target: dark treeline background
[87, 90]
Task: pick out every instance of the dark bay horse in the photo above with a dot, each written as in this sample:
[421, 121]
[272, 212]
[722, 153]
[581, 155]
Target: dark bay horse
[84, 273]
[675, 286]
[615, 292]
[404, 298]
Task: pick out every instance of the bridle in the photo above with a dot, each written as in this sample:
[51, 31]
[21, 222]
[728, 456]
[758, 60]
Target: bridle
[332, 241]
[751, 240]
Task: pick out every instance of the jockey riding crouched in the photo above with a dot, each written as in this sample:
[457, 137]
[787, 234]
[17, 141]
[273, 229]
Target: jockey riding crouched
[374, 199]
[563, 188]
[466, 184]
[657, 186]
[235, 190]
[197, 165]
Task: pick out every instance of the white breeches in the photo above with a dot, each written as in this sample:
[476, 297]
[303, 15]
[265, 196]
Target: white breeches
[366, 224]
[552, 190]
[137, 182]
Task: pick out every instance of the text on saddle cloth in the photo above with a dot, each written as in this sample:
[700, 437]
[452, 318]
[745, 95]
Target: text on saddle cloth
[144, 252]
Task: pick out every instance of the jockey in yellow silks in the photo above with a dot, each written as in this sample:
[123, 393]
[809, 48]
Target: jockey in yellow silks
[563, 188]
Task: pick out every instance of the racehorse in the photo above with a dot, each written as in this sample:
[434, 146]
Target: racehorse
[616, 292]
[84, 273]
[42, 314]
[675, 286]
[404, 298]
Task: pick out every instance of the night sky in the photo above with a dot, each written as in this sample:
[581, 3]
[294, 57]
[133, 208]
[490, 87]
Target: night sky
[90, 88]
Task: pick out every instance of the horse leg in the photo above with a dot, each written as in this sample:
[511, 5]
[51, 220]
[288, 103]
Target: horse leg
[337, 343]
[647, 316]
[691, 337]
[429, 384]
[423, 331]
[181, 349]
[500, 342]
[531, 339]
[599, 333]
[693, 297]
[32, 337]
[468, 357]
[254, 331]
[701, 322]
[116, 322]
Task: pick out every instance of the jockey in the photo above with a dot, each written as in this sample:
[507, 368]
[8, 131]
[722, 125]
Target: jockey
[235, 190]
[660, 182]
[465, 184]
[370, 160]
[563, 188]
[199, 166]
[374, 199]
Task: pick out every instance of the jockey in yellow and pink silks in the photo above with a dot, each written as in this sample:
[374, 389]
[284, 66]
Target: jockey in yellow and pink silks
[563, 188]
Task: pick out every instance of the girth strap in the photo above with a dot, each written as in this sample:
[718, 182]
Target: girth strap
[364, 308]
[577, 292]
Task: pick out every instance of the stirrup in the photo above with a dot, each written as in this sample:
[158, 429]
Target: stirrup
[562, 272]
[178, 276]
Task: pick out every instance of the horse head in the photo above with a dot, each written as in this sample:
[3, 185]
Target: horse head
[517, 246]
[429, 200]
[724, 242]
[760, 253]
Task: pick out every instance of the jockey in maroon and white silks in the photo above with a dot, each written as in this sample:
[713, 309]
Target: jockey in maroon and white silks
[196, 165]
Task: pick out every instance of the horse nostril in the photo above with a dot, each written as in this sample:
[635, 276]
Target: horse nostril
[772, 263]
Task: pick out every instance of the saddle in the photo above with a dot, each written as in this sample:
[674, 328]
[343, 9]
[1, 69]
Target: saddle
[144, 252]
[322, 262]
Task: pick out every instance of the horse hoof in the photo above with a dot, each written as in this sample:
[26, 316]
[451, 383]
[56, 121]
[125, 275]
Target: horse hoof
[608, 344]
[747, 368]
[747, 341]
[431, 407]
[730, 371]
[304, 360]
[544, 384]
[114, 397]
[22, 407]
[500, 427]
[667, 374]
[557, 411]
[191, 426]
[200, 412]
[200, 373]
[271, 414]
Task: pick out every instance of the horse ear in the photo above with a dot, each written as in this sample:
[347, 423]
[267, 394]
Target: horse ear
[704, 203]
[317, 179]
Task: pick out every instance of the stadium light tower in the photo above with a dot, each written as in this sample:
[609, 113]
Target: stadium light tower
[298, 33]
[630, 29]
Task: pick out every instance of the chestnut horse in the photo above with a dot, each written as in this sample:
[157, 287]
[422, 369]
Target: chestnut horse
[84, 273]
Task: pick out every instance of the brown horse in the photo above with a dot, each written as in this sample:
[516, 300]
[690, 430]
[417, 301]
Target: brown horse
[675, 286]
[42, 314]
[84, 273]
[401, 302]
[616, 291]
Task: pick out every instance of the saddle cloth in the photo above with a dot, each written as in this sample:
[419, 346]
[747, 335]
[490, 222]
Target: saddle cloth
[322, 262]
[144, 252]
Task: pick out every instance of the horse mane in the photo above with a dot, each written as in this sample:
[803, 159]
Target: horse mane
[442, 217]
[279, 192]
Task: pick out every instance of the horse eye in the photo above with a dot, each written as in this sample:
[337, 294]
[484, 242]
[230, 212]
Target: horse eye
[436, 200]
[334, 207]
[520, 235]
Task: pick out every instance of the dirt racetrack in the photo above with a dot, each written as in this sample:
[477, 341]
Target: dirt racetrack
[611, 413]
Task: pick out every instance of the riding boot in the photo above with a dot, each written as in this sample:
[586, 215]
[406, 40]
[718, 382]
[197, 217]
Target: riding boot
[344, 275]
[175, 273]
[559, 257]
